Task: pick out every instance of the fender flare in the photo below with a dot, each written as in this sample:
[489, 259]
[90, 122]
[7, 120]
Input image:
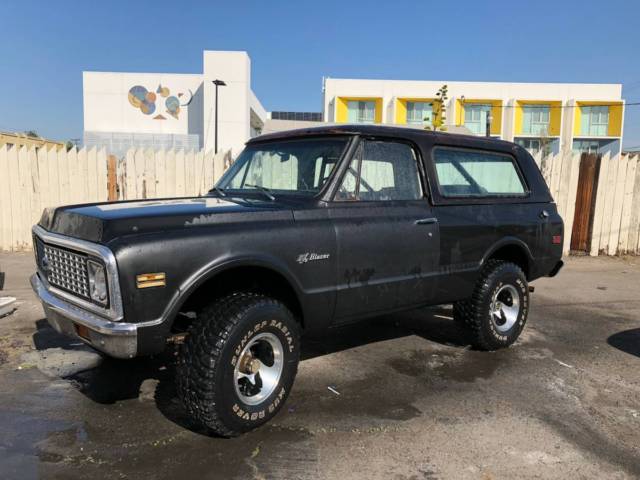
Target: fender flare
[506, 242]
[221, 265]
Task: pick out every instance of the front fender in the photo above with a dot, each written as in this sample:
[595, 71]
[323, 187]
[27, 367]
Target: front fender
[221, 265]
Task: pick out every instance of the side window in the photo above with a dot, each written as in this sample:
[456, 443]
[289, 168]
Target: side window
[322, 170]
[381, 171]
[465, 173]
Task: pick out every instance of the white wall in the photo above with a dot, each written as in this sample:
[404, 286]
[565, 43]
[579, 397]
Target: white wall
[234, 68]
[107, 107]
[390, 89]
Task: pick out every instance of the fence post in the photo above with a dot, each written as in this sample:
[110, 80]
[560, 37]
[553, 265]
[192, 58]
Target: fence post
[112, 179]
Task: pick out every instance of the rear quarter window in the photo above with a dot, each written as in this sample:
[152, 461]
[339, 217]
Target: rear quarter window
[462, 173]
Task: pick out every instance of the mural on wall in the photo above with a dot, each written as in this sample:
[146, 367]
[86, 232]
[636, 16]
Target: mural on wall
[141, 98]
[145, 101]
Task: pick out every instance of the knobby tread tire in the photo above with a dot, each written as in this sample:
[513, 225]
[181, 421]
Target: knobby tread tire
[200, 358]
[472, 313]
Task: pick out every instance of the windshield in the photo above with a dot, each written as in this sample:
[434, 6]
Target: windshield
[299, 167]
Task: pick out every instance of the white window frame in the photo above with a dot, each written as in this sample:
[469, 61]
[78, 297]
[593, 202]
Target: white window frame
[361, 114]
[475, 110]
[421, 120]
[539, 119]
[597, 120]
[527, 144]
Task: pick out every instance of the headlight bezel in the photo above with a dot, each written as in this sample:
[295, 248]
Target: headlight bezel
[97, 272]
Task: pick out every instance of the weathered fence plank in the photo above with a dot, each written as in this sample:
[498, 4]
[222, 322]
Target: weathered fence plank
[6, 239]
[627, 198]
[172, 179]
[180, 174]
[616, 212]
[31, 181]
[598, 215]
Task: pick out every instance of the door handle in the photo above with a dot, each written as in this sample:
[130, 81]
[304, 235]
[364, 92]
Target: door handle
[543, 214]
[426, 221]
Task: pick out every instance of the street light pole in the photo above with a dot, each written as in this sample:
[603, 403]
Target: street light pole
[489, 120]
[217, 83]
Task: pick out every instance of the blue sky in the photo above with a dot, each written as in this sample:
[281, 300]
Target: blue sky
[46, 45]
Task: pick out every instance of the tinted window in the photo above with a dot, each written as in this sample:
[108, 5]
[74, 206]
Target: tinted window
[465, 173]
[382, 171]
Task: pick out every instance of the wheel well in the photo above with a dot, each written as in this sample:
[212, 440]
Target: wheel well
[515, 254]
[247, 278]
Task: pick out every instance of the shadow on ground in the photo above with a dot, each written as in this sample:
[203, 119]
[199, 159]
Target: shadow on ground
[117, 380]
[627, 341]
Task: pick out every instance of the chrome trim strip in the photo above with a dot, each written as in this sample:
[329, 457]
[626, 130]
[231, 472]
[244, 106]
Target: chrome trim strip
[114, 312]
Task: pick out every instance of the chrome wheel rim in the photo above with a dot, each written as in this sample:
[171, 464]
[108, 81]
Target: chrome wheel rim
[505, 308]
[259, 368]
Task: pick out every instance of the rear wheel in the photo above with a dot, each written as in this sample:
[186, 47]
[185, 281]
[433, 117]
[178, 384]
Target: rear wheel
[497, 311]
[238, 363]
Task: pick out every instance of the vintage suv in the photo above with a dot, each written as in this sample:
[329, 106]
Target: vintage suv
[307, 230]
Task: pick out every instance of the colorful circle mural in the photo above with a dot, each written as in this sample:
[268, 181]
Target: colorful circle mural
[143, 99]
[173, 106]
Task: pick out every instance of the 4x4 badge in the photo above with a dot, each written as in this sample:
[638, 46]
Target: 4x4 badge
[311, 257]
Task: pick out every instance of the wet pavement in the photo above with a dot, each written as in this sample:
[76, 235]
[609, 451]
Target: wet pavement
[412, 402]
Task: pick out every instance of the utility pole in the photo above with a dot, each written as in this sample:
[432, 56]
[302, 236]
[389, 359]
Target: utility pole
[217, 83]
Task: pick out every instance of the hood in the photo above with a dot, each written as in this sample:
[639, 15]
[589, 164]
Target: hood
[102, 222]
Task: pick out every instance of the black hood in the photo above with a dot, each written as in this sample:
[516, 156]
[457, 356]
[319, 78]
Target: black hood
[102, 222]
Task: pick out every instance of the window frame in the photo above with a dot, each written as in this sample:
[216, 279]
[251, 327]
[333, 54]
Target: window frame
[361, 109]
[521, 141]
[536, 125]
[439, 199]
[592, 113]
[357, 150]
[478, 108]
[421, 121]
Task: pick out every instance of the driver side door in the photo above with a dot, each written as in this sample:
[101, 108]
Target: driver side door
[387, 236]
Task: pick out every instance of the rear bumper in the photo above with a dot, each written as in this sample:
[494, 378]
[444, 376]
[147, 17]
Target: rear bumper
[557, 267]
[117, 339]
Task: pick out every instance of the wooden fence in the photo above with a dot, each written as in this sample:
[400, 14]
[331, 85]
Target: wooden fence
[31, 180]
[614, 223]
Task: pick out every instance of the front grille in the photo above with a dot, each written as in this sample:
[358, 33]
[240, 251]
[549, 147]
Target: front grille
[65, 269]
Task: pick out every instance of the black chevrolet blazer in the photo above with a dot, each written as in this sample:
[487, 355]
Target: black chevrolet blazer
[307, 230]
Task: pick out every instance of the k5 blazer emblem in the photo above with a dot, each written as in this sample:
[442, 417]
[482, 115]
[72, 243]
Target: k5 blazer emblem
[311, 257]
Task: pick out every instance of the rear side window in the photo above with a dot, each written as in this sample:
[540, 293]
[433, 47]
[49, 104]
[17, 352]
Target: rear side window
[381, 171]
[467, 173]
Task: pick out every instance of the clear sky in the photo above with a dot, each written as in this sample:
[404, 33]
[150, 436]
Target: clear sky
[45, 46]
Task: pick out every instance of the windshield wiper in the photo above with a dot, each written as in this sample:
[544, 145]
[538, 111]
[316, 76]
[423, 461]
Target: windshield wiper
[262, 189]
[218, 190]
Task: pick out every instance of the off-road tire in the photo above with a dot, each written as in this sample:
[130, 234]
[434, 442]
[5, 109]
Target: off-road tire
[207, 359]
[474, 314]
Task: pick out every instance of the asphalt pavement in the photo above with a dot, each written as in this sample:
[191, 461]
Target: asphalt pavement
[398, 397]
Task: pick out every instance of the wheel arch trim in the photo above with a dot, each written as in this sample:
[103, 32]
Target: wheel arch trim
[219, 266]
[508, 241]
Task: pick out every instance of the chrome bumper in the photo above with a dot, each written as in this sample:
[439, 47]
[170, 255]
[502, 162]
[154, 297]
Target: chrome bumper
[116, 339]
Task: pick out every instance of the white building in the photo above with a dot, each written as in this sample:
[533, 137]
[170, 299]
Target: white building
[550, 116]
[123, 110]
[160, 110]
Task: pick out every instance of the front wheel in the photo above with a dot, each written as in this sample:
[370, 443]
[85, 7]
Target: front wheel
[497, 311]
[238, 363]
